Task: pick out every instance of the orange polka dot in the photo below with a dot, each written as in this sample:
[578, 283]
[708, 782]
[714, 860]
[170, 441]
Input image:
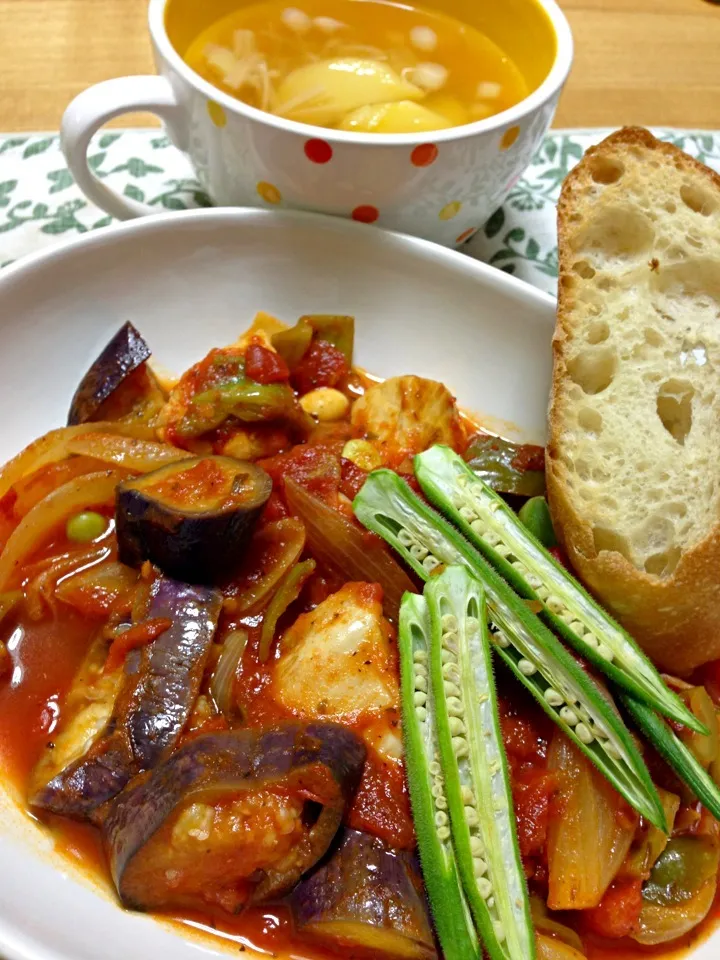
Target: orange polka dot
[268, 192]
[365, 213]
[465, 235]
[509, 137]
[450, 210]
[318, 151]
[217, 114]
[424, 154]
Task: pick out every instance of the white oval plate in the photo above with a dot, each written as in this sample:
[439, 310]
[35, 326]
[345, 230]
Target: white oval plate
[191, 281]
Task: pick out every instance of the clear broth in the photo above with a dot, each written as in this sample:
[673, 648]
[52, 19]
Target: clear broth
[431, 70]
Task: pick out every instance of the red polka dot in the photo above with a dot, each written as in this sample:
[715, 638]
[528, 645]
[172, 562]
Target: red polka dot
[318, 151]
[424, 154]
[365, 213]
[466, 234]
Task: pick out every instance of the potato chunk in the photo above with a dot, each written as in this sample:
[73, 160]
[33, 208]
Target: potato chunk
[405, 415]
[323, 93]
[338, 662]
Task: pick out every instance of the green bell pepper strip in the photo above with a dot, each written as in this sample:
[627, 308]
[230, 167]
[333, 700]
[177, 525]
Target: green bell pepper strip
[493, 459]
[287, 592]
[453, 923]
[426, 541]
[475, 767]
[495, 530]
[292, 344]
[676, 754]
[534, 514]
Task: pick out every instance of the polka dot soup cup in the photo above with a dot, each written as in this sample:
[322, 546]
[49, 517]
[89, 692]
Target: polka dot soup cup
[441, 186]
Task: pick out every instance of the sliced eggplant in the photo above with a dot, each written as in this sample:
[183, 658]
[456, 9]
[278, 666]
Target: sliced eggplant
[124, 722]
[366, 897]
[172, 669]
[232, 817]
[193, 518]
[89, 761]
[124, 354]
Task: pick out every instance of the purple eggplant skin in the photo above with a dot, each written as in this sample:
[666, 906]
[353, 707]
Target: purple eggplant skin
[161, 685]
[366, 897]
[324, 759]
[82, 789]
[170, 676]
[198, 546]
[124, 353]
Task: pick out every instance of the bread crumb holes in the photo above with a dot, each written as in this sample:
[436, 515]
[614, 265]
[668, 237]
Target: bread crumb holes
[598, 331]
[674, 407]
[698, 199]
[583, 269]
[606, 170]
[593, 370]
[590, 421]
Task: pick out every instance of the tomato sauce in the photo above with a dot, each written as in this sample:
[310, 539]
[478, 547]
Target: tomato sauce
[46, 654]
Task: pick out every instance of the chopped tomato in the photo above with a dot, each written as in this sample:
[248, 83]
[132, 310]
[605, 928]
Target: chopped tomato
[137, 636]
[529, 457]
[315, 468]
[322, 366]
[561, 557]
[352, 477]
[618, 912]
[382, 804]
[264, 365]
[275, 508]
[533, 791]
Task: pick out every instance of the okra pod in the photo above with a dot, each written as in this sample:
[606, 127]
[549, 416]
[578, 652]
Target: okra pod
[453, 923]
[496, 531]
[678, 756]
[426, 542]
[473, 760]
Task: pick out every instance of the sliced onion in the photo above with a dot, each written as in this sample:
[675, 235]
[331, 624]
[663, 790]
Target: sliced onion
[705, 748]
[550, 949]
[8, 602]
[100, 589]
[140, 456]
[588, 843]
[91, 490]
[272, 551]
[53, 446]
[40, 590]
[546, 925]
[221, 685]
[340, 544]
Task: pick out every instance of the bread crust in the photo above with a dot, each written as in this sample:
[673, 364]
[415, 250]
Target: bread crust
[676, 619]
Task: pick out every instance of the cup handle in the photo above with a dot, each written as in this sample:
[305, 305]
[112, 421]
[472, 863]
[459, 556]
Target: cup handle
[93, 108]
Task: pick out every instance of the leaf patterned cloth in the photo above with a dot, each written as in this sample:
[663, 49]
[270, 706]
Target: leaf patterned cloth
[40, 203]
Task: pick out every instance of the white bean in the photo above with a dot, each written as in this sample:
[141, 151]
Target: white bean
[325, 404]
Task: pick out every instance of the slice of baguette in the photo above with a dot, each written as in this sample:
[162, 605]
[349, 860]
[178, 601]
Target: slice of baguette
[633, 458]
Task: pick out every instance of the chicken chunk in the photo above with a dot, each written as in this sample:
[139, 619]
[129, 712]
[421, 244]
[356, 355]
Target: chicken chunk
[405, 415]
[339, 663]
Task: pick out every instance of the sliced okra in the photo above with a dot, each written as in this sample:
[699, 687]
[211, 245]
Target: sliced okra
[494, 529]
[453, 922]
[477, 784]
[677, 755]
[427, 543]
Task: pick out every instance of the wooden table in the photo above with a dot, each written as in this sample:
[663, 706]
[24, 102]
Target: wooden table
[655, 62]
